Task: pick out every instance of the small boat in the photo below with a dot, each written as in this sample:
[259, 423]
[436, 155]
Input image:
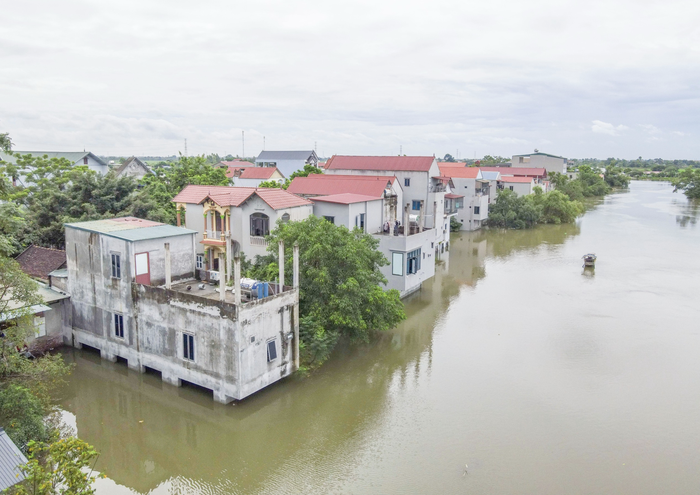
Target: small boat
[589, 259]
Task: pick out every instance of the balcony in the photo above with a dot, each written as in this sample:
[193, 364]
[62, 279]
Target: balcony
[258, 241]
[214, 238]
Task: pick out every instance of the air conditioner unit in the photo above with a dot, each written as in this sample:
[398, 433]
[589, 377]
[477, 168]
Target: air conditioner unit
[214, 275]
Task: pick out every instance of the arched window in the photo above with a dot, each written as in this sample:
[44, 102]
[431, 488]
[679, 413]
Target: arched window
[259, 225]
[285, 218]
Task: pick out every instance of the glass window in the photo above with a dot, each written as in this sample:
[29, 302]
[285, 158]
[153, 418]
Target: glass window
[510, 187]
[200, 262]
[360, 221]
[397, 263]
[285, 218]
[416, 205]
[407, 182]
[271, 350]
[413, 261]
[476, 210]
[259, 225]
[188, 346]
[330, 219]
[119, 326]
[116, 266]
[85, 160]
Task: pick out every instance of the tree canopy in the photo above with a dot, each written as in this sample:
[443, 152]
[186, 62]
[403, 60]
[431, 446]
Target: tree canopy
[520, 212]
[688, 181]
[305, 172]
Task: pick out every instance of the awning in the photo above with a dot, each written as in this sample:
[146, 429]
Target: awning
[442, 179]
[16, 313]
[453, 196]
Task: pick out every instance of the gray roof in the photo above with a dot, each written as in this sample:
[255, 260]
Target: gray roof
[284, 155]
[71, 156]
[543, 154]
[10, 460]
[128, 161]
[131, 229]
[490, 175]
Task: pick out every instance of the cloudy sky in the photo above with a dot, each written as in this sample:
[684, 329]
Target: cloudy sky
[577, 78]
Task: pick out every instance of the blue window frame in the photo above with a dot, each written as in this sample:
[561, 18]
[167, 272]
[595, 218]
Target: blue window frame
[116, 266]
[271, 350]
[188, 346]
[416, 205]
[413, 261]
[119, 326]
[407, 182]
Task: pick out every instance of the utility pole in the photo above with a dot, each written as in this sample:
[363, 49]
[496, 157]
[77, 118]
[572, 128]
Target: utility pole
[400, 150]
[263, 143]
[185, 146]
[243, 144]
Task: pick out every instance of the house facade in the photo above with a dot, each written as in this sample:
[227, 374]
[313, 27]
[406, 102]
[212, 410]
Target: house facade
[469, 182]
[551, 163]
[423, 186]
[522, 186]
[231, 219]
[287, 162]
[134, 298]
[83, 158]
[132, 167]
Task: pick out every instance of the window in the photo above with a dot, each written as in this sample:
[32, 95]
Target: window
[200, 262]
[285, 218]
[119, 326]
[407, 182]
[360, 221]
[271, 350]
[476, 210]
[85, 160]
[330, 219]
[510, 187]
[188, 346]
[116, 266]
[415, 205]
[413, 261]
[397, 264]
[259, 225]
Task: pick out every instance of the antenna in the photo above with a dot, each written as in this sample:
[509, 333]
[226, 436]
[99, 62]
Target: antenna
[185, 146]
[316, 147]
[400, 149]
[263, 143]
[243, 144]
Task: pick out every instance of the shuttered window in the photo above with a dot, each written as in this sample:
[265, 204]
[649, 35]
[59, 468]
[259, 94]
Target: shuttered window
[188, 346]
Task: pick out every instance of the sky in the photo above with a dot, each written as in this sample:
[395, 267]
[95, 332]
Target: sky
[138, 77]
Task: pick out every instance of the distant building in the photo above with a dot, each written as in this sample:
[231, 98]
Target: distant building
[521, 186]
[11, 458]
[253, 176]
[537, 174]
[234, 164]
[92, 161]
[132, 167]
[552, 163]
[469, 183]
[287, 162]
[493, 178]
[134, 297]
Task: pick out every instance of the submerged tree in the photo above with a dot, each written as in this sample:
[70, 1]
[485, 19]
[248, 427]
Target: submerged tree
[688, 181]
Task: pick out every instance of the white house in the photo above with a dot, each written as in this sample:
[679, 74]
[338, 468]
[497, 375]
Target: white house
[537, 174]
[132, 167]
[253, 176]
[552, 163]
[86, 158]
[469, 182]
[423, 186]
[287, 162]
[235, 218]
[493, 178]
[522, 186]
[372, 204]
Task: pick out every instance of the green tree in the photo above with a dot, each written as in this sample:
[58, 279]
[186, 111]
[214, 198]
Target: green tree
[493, 160]
[455, 225]
[688, 181]
[305, 172]
[449, 158]
[341, 294]
[615, 178]
[22, 415]
[64, 467]
[512, 211]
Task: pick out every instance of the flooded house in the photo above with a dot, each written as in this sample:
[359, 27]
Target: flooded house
[135, 298]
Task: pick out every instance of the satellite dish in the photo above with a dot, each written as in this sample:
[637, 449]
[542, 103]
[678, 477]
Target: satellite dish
[536, 150]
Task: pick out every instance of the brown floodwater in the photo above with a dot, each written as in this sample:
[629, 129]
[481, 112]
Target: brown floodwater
[543, 378]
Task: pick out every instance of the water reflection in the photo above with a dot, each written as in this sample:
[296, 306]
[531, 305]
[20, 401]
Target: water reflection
[689, 213]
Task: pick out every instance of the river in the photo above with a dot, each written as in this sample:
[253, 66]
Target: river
[541, 377]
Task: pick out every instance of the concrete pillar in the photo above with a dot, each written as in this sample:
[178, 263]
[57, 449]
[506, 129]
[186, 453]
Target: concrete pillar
[136, 366]
[221, 397]
[229, 256]
[171, 379]
[406, 220]
[168, 267]
[295, 316]
[281, 264]
[421, 219]
[178, 216]
[237, 280]
[108, 356]
[435, 216]
[222, 278]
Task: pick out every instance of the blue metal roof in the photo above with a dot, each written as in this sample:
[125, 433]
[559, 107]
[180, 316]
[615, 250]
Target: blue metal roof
[151, 233]
[131, 229]
[10, 460]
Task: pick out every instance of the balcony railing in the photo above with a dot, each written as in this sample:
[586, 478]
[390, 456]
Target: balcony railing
[258, 241]
[213, 234]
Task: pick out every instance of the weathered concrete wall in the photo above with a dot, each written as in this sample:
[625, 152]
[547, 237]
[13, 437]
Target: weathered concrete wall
[182, 260]
[408, 283]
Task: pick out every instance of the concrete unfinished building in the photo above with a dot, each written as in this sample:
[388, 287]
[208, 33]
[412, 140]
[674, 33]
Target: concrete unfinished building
[134, 297]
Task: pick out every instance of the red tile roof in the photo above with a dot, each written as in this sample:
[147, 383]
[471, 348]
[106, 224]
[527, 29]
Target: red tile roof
[38, 261]
[515, 179]
[345, 198]
[453, 196]
[459, 172]
[238, 163]
[518, 171]
[236, 196]
[324, 185]
[251, 172]
[393, 163]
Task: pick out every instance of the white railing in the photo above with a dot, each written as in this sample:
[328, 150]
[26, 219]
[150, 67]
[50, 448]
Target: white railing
[257, 241]
[213, 234]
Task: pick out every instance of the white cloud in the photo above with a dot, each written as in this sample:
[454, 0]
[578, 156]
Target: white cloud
[607, 128]
[650, 129]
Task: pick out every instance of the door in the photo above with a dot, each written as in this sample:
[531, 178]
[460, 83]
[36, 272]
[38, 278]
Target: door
[143, 269]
